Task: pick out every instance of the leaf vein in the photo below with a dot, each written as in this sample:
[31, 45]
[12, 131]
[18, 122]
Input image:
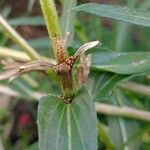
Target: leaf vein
[59, 126]
[79, 130]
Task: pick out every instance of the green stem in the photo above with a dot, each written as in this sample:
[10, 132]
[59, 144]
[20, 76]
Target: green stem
[13, 35]
[52, 22]
[67, 84]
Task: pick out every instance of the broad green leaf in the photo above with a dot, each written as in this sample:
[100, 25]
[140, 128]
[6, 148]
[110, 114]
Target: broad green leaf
[123, 29]
[64, 126]
[102, 84]
[116, 12]
[34, 21]
[121, 63]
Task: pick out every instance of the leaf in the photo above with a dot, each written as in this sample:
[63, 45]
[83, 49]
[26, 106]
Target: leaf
[121, 62]
[137, 134]
[68, 20]
[34, 21]
[67, 126]
[116, 12]
[121, 129]
[102, 84]
[23, 88]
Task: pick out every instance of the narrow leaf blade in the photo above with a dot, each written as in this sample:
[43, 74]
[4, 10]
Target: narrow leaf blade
[121, 63]
[116, 12]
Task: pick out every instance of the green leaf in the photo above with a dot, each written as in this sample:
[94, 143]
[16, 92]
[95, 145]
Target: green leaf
[64, 126]
[137, 134]
[22, 87]
[34, 21]
[116, 12]
[121, 129]
[68, 20]
[121, 63]
[102, 84]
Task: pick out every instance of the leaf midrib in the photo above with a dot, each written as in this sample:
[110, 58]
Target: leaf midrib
[69, 126]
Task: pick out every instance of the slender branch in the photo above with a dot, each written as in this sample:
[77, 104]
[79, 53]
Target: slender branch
[17, 55]
[20, 56]
[34, 66]
[122, 111]
[13, 35]
[10, 92]
[19, 69]
[136, 87]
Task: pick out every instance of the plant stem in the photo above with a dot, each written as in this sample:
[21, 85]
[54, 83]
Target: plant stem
[136, 87]
[52, 22]
[122, 111]
[67, 85]
[59, 47]
[20, 56]
[13, 35]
